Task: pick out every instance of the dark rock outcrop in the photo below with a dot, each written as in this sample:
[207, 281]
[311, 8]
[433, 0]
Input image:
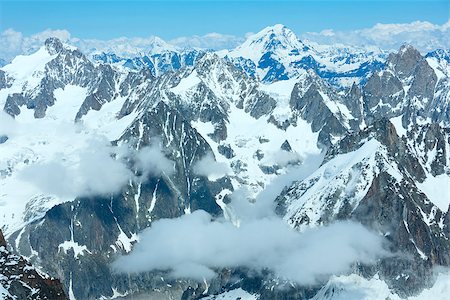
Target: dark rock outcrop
[22, 281]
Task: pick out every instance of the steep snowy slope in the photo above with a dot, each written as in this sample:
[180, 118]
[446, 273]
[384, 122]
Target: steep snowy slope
[377, 178]
[354, 287]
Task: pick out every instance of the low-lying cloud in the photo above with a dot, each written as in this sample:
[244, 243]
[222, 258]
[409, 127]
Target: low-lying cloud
[194, 245]
[95, 171]
[98, 169]
[151, 160]
[209, 167]
[67, 160]
[281, 158]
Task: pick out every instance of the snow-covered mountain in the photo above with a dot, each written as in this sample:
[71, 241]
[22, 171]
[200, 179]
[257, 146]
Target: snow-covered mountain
[95, 149]
[275, 53]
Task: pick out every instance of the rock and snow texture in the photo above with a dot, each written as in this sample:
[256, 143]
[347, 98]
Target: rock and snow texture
[183, 131]
[20, 280]
[376, 177]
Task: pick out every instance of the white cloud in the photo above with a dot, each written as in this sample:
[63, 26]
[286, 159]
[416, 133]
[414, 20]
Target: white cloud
[423, 35]
[97, 169]
[209, 167]
[66, 160]
[10, 44]
[267, 243]
[13, 43]
[93, 172]
[123, 46]
[281, 158]
[152, 161]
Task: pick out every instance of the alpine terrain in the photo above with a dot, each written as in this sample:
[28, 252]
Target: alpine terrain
[281, 169]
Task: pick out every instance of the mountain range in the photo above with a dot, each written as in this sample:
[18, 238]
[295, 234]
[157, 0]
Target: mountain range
[99, 148]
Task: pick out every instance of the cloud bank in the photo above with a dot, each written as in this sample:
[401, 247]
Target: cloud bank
[425, 36]
[13, 43]
[215, 41]
[193, 246]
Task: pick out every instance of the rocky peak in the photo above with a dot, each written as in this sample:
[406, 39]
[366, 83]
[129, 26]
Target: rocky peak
[53, 45]
[353, 100]
[404, 61]
[208, 60]
[381, 129]
[385, 132]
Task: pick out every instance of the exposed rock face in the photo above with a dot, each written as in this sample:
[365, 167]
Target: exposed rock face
[53, 46]
[407, 86]
[404, 62]
[354, 101]
[22, 281]
[383, 95]
[3, 80]
[319, 105]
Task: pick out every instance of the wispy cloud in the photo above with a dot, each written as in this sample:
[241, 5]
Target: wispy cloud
[98, 169]
[209, 167]
[423, 35]
[95, 172]
[151, 160]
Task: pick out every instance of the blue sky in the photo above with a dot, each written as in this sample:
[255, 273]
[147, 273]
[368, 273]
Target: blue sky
[170, 19]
